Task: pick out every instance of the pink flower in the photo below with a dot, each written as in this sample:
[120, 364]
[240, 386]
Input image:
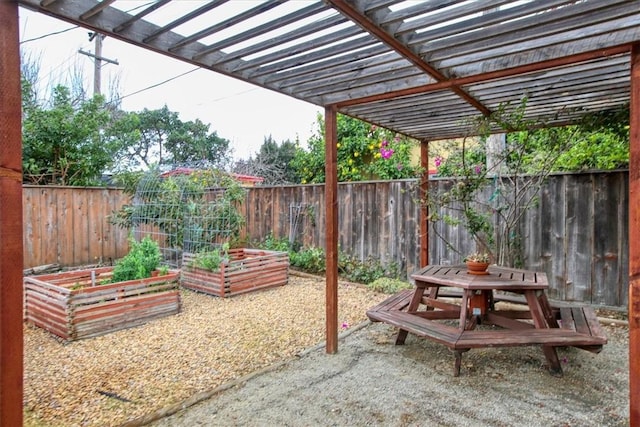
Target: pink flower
[386, 153]
[438, 161]
[344, 325]
[478, 169]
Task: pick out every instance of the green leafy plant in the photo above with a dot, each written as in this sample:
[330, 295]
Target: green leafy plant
[364, 152]
[312, 260]
[477, 257]
[388, 285]
[143, 258]
[355, 270]
[191, 209]
[211, 259]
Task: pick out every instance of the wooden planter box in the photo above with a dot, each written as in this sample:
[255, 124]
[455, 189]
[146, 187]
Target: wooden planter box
[67, 305]
[247, 270]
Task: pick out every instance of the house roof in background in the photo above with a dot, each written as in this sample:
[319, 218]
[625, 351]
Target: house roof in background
[420, 68]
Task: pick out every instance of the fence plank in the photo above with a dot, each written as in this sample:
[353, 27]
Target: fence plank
[577, 233]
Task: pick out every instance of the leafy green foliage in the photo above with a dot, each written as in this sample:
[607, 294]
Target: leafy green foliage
[211, 259]
[313, 260]
[388, 285]
[159, 136]
[199, 208]
[143, 258]
[64, 143]
[364, 152]
[489, 198]
[351, 268]
[273, 163]
[600, 141]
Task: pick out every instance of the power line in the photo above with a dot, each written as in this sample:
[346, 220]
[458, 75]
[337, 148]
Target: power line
[49, 35]
[157, 84]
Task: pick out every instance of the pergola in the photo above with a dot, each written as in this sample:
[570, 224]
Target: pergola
[416, 67]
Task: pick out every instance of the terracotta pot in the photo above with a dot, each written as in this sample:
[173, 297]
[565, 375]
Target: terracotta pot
[477, 268]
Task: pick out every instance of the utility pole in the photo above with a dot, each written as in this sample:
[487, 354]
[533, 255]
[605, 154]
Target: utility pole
[98, 58]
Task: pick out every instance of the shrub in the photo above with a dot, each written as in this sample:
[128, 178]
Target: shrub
[388, 285]
[311, 260]
[211, 260]
[142, 259]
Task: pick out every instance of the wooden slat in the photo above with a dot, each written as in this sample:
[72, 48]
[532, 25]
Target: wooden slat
[90, 311]
[510, 338]
[247, 270]
[398, 301]
[416, 325]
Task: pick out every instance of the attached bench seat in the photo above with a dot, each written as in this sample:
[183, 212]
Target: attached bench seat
[578, 327]
[396, 302]
[455, 339]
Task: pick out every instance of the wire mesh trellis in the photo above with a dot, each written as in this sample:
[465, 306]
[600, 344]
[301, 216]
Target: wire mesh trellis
[187, 209]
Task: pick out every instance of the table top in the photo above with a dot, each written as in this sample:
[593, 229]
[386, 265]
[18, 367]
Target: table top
[499, 278]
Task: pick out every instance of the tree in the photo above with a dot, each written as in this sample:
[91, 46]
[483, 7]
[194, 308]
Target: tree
[63, 144]
[490, 202]
[272, 162]
[191, 142]
[159, 136]
[364, 152]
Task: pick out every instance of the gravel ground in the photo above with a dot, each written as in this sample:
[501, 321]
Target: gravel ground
[372, 382]
[253, 360]
[121, 376]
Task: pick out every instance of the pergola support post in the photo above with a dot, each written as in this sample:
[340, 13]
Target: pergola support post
[634, 239]
[11, 251]
[331, 229]
[424, 207]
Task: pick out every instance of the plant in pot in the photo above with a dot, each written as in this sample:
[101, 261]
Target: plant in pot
[477, 263]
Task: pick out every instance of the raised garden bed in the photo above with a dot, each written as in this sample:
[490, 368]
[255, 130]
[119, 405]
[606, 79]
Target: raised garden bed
[246, 270]
[74, 305]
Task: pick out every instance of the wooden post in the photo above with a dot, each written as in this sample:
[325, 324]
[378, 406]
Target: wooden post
[11, 252]
[424, 208]
[331, 207]
[634, 239]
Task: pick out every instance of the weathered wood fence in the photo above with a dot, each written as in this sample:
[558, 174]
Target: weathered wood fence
[577, 233]
[70, 226]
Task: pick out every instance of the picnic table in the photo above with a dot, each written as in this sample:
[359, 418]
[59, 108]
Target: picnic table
[460, 310]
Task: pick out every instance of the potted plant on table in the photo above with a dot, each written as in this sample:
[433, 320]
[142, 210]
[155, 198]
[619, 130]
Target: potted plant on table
[477, 263]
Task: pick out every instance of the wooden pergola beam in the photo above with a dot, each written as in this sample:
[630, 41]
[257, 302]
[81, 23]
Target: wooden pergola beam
[424, 207]
[349, 10]
[490, 75]
[331, 229]
[11, 251]
[634, 239]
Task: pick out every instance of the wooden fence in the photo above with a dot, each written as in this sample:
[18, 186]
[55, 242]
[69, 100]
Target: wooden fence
[577, 234]
[70, 226]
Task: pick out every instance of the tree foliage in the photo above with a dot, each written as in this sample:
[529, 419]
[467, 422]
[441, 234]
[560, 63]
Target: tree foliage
[273, 162]
[489, 201]
[364, 152]
[599, 141]
[63, 143]
[159, 136]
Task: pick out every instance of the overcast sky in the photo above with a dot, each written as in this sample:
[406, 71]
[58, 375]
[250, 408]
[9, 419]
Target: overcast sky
[242, 113]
